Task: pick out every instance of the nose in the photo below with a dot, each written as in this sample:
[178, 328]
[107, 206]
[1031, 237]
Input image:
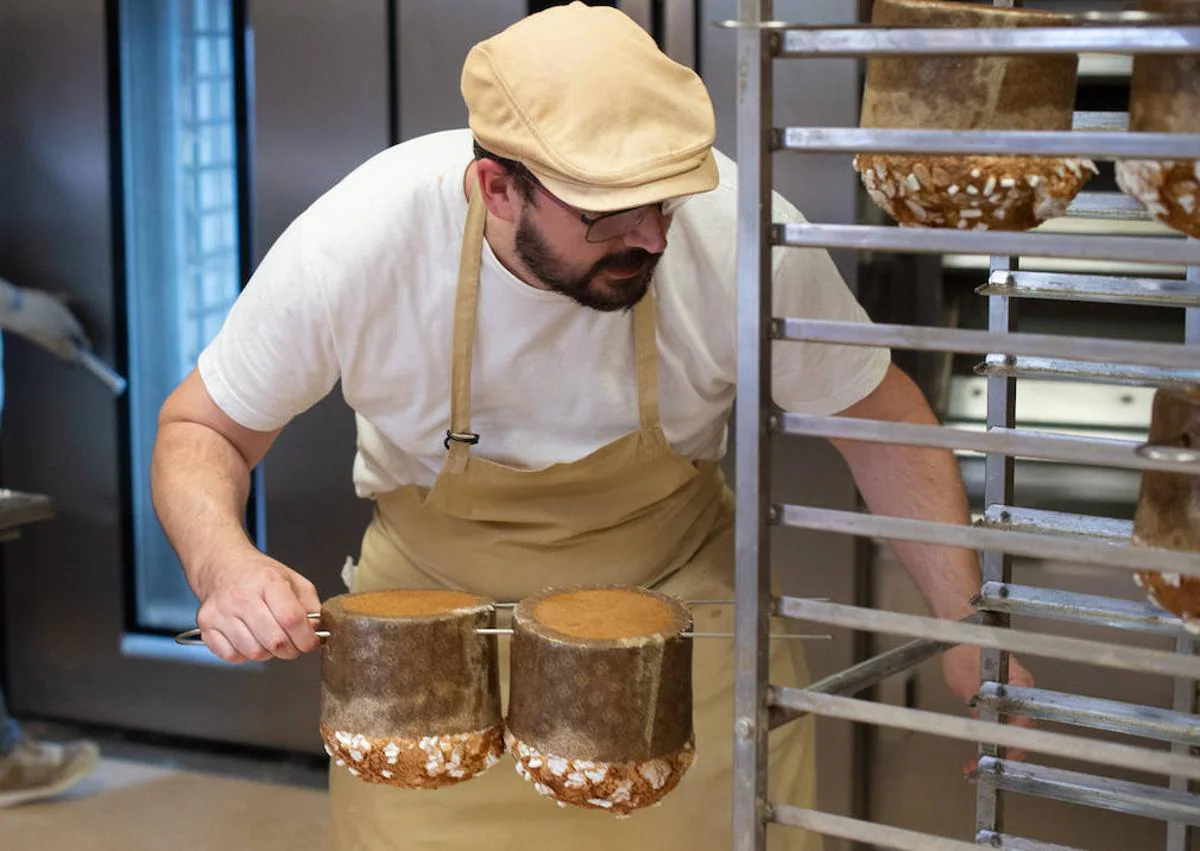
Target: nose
[651, 234]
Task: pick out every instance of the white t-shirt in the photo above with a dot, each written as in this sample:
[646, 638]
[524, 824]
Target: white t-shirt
[360, 287]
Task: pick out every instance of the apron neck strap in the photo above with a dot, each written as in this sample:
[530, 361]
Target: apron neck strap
[645, 350]
[460, 438]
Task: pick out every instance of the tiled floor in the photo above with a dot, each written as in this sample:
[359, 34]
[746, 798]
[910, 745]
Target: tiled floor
[150, 795]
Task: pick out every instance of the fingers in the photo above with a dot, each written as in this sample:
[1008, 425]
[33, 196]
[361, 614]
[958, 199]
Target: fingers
[246, 641]
[62, 348]
[56, 344]
[306, 592]
[959, 672]
[71, 337]
[76, 336]
[266, 621]
[220, 647]
[228, 638]
[248, 634]
[1015, 754]
[49, 322]
[78, 342]
[1019, 676]
[263, 616]
[294, 632]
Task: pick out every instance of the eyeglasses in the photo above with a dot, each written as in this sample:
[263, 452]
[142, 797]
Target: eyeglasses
[608, 226]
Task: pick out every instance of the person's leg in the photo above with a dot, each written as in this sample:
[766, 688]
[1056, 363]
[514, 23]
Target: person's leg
[31, 770]
[10, 730]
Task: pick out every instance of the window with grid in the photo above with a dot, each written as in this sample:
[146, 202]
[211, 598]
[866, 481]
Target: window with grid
[180, 166]
[207, 175]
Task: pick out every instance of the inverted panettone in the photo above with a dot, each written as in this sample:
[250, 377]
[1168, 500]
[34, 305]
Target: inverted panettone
[969, 93]
[600, 697]
[1165, 98]
[1168, 511]
[410, 691]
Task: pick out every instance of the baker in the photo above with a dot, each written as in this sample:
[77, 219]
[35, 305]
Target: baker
[541, 388]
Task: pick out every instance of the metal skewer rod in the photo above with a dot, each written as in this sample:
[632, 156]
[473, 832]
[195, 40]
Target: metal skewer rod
[731, 602]
[509, 631]
[192, 636]
[687, 602]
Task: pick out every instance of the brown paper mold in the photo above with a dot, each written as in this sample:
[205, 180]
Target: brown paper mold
[969, 93]
[1168, 511]
[410, 691]
[1165, 98]
[600, 701]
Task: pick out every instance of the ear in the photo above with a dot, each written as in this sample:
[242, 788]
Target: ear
[499, 192]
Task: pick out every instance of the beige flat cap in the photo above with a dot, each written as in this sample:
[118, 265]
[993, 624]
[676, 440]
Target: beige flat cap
[584, 98]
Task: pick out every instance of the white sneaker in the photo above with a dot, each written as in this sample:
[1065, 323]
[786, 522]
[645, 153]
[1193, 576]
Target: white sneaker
[38, 770]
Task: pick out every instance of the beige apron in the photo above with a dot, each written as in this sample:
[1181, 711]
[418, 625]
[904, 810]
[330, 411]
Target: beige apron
[632, 512]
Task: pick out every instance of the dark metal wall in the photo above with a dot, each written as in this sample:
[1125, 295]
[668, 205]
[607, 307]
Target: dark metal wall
[321, 106]
[60, 430]
[321, 88]
[321, 76]
[432, 41]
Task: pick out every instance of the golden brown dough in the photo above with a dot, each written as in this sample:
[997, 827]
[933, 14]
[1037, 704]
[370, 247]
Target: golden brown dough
[969, 93]
[600, 701]
[1165, 98]
[1168, 512]
[410, 691]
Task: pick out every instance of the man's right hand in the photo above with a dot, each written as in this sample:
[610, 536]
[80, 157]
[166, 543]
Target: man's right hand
[254, 608]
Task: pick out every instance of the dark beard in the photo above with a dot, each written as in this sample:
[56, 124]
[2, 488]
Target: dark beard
[617, 294]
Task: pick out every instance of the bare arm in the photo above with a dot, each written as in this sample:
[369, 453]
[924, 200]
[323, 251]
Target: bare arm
[252, 607]
[200, 475]
[909, 481]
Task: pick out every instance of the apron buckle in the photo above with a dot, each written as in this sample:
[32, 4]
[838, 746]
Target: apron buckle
[467, 437]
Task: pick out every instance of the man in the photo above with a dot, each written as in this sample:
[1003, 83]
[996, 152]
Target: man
[542, 389]
[30, 769]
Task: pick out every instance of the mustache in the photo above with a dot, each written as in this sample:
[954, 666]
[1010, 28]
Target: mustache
[625, 259]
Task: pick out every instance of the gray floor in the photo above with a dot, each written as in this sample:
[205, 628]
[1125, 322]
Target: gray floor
[302, 771]
[147, 794]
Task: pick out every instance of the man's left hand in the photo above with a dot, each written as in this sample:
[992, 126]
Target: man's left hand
[961, 667]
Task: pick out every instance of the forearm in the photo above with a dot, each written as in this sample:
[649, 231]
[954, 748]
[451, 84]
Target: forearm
[925, 484]
[200, 484]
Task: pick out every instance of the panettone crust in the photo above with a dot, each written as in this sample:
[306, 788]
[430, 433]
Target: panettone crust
[618, 788]
[1006, 193]
[427, 763]
[409, 664]
[1168, 512]
[624, 697]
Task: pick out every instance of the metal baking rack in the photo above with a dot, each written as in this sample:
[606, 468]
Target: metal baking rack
[1006, 529]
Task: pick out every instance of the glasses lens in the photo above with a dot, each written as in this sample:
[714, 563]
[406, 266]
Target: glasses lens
[618, 224]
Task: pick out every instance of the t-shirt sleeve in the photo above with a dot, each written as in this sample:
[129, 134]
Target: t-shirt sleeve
[809, 377]
[274, 356]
